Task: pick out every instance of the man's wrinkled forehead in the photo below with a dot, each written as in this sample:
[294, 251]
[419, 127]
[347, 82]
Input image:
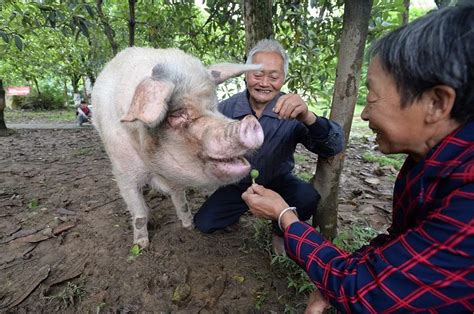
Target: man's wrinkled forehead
[270, 61]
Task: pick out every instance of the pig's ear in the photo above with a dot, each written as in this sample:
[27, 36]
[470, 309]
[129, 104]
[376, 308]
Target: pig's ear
[223, 71]
[150, 102]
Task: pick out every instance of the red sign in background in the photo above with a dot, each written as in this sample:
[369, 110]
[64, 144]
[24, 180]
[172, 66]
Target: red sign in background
[18, 90]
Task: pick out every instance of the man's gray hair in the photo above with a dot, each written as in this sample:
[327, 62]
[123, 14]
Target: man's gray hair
[269, 45]
[436, 49]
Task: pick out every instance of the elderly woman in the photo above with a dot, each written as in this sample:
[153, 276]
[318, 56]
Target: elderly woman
[420, 102]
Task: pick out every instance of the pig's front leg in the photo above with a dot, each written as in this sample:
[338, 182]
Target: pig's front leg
[182, 210]
[133, 197]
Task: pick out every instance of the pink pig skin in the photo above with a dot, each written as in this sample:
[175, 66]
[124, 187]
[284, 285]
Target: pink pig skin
[155, 111]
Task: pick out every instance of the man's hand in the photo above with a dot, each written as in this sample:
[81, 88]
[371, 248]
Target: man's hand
[291, 106]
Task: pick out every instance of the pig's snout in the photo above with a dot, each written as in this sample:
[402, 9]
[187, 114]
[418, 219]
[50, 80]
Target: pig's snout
[250, 133]
[225, 148]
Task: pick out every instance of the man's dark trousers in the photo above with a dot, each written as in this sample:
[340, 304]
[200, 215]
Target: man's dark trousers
[225, 206]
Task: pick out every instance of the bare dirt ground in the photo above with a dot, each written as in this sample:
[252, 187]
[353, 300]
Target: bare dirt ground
[65, 236]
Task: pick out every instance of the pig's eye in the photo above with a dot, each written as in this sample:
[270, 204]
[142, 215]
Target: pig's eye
[178, 113]
[178, 118]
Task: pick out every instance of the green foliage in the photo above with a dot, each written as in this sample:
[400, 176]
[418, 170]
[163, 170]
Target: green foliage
[19, 116]
[299, 158]
[305, 176]
[349, 239]
[135, 250]
[71, 294]
[353, 238]
[51, 51]
[283, 267]
[310, 34]
[33, 204]
[296, 277]
[86, 152]
[417, 12]
[65, 42]
[395, 160]
[261, 296]
[262, 234]
[44, 101]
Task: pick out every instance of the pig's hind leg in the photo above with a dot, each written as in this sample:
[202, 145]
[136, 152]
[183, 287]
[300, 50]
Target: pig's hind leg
[178, 197]
[182, 208]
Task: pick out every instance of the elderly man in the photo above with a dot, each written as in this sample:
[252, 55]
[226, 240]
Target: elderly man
[286, 121]
[420, 102]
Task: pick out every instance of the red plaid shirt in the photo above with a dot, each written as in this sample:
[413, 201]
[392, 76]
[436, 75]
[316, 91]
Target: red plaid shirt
[426, 262]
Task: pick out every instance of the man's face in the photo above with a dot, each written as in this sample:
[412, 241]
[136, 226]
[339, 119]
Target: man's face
[397, 129]
[264, 85]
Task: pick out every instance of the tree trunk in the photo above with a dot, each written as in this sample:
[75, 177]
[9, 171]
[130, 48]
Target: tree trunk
[75, 83]
[351, 51]
[258, 21]
[406, 12]
[75, 90]
[66, 102]
[131, 23]
[91, 77]
[109, 32]
[37, 86]
[3, 103]
[86, 90]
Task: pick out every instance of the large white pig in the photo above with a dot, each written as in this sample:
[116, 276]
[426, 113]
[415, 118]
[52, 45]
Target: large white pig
[155, 110]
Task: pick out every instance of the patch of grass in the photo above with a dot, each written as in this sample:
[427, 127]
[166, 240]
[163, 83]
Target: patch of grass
[348, 239]
[134, 251]
[33, 204]
[296, 277]
[283, 266]
[305, 176]
[359, 127]
[299, 158]
[262, 234]
[395, 160]
[261, 296]
[261, 275]
[69, 295]
[62, 115]
[82, 152]
[351, 239]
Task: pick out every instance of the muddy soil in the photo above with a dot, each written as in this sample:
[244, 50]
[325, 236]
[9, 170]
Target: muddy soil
[65, 236]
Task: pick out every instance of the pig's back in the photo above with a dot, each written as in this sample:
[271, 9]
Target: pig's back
[115, 86]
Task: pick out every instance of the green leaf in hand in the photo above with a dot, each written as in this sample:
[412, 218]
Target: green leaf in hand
[254, 175]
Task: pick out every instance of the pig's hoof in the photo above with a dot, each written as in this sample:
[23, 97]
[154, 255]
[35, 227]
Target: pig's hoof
[187, 221]
[143, 242]
[188, 224]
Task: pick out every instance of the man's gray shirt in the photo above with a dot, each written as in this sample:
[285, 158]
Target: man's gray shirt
[275, 157]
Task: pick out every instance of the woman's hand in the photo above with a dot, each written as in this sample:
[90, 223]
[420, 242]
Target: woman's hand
[265, 203]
